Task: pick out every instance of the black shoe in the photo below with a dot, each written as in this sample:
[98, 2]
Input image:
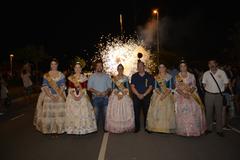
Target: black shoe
[220, 134]
[136, 131]
[208, 132]
[148, 131]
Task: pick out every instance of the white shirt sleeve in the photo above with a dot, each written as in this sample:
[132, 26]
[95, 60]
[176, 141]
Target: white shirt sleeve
[204, 81]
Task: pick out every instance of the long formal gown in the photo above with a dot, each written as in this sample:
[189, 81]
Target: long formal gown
[190, 115]
[161, 116]
[120, 112]
[80, 116]
[50, 114]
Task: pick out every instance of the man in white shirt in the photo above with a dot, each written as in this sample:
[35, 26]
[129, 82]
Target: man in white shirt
[213, 96]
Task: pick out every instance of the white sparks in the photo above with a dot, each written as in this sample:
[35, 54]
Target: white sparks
[124, 51]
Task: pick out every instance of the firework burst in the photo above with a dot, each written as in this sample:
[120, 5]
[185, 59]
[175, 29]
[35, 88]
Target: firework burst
[123, 50]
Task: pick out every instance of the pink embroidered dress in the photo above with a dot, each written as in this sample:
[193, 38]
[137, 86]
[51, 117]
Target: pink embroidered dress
[190, 115]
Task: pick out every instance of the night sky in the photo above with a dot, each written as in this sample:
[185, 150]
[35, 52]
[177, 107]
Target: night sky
[199, 27]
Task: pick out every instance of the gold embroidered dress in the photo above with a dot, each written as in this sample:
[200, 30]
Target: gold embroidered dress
[80, 116]
[50, 114]
[161, 116]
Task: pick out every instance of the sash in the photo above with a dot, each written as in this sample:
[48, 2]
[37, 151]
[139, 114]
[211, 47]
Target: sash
[161, 83]
[77, 83]
[118, 84]
[163, 86]
[54, 85]
[194, 95]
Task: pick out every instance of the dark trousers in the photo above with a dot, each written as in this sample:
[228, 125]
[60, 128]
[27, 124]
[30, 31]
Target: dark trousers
[138, 104]
[214, 101]
[100, 107]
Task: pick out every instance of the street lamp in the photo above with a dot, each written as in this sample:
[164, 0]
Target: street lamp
[155, 11]
[121, 23]
[11, 63]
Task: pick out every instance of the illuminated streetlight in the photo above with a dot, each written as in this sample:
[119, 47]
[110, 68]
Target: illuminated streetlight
[11, 63]
[155, 11]
[121, 23]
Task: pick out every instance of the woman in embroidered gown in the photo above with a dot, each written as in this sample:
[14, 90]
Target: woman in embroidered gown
[161, 116]
[50, 111]
[80, 117]
[120, 113]
[190, 115]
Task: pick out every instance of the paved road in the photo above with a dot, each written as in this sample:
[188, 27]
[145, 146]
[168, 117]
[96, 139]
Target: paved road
[20, 141]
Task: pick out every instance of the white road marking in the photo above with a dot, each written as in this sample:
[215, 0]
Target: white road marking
[19, 116]
[103, 148]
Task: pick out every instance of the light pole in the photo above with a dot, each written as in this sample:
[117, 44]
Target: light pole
[155, 11]
[121, 23]
[11, 63]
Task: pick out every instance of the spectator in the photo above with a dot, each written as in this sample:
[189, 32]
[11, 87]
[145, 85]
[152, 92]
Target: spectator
[173, 71]
[27, 83]
[236, 89]
[4, 95]
[228, 96]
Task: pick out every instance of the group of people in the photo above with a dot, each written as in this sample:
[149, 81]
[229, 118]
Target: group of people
[170, 104]
[5, 94]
